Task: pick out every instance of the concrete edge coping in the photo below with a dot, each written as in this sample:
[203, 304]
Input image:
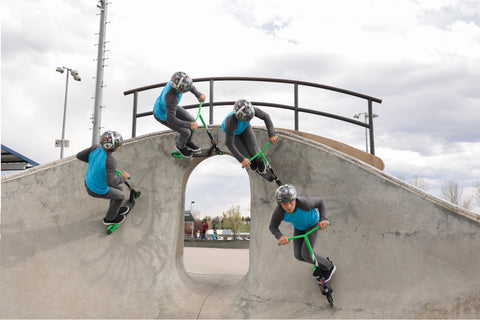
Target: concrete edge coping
[437, 200]
[425, 195]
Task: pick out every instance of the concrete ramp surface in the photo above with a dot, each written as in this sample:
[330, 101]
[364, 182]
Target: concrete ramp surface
[400, 253]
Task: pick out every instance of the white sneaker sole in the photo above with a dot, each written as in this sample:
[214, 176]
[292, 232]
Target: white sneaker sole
[124, 212]
[331, 274]
[112, 223]
[194, 150]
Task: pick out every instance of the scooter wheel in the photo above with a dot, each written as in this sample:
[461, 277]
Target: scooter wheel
[330, 300]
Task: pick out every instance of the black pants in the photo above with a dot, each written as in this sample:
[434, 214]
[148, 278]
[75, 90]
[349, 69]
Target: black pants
[116, 196]
[301, 252]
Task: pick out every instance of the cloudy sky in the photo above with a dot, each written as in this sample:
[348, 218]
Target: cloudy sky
[420, 57]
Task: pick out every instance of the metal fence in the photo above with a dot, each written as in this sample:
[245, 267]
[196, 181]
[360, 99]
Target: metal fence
[295, 108]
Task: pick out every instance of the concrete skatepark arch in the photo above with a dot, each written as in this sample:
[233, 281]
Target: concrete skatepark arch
[400, 252]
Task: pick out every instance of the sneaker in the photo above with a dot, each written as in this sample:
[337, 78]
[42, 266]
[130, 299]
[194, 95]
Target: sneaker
[328, 275]
[123, 210]
[119, 219]
[317, 273]
[193, 147]
[184, 152]
[253, 165]
[261, 168]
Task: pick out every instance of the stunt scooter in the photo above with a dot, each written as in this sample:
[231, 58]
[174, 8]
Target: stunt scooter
[324, 287]
[203, 152]
[128, 205]
[271, 175]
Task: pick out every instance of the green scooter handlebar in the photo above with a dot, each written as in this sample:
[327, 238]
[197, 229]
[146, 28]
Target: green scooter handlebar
[306, 234]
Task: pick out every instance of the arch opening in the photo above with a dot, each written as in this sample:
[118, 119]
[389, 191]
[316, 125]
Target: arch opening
[224, 248]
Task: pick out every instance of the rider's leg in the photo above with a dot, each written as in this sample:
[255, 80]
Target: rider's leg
[251, 143]
[185, 134]
[242, 147]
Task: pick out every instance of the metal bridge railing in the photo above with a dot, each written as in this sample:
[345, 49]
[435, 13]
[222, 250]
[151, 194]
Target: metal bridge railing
[295, 108]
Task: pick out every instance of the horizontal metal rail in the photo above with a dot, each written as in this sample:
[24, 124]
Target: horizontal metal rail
[295, 108]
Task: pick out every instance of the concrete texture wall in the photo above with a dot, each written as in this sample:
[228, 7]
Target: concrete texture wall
[399, 251]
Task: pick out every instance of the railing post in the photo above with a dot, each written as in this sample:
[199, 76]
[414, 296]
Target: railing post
[211, 102]
[295, 101]
[296, 108]
[370, 126]
[134, 124]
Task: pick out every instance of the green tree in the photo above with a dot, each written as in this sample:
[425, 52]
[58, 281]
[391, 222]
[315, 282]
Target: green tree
[232, 219]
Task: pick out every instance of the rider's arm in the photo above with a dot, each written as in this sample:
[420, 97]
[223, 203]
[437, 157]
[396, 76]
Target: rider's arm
[113, 179]
[275, 221]
[84, 154]
[268, 121]
[197, 93]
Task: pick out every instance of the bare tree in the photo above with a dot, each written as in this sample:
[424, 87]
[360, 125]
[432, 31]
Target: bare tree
[216, 221]
[419, 182]
[467, 203]
[477, 191]
[198, 221]
[452, 192]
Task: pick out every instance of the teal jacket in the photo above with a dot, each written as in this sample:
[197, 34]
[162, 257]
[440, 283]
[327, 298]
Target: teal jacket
[101, 172]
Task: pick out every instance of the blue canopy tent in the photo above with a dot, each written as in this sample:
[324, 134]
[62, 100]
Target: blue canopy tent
[14, 161]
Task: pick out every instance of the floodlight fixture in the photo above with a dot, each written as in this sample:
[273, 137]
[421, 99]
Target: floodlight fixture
[75, 76]
[366, 115]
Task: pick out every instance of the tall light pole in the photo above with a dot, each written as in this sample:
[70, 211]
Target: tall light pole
[357, 116]
[97, 111]
[76, 77]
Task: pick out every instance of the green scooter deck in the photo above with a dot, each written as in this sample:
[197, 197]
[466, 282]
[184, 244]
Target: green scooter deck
[130, 204]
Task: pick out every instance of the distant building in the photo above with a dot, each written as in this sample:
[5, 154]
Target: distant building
[190, 220]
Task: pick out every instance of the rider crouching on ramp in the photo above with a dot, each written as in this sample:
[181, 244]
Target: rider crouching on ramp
[101, 179]
[304, 214]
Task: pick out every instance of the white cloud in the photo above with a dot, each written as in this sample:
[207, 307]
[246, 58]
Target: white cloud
[420, 57]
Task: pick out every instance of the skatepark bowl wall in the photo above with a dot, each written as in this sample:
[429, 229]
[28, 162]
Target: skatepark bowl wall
[399, 252]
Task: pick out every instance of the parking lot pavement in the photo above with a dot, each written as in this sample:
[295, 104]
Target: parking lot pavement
[216, 261]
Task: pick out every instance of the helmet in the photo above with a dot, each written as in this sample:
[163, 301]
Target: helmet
[181, 82]
[111, 140]
[285, 193]
[244, 110]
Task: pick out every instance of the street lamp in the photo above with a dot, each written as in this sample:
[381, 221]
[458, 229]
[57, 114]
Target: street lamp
[76, 77]
[191, 212]
[366, 115]
[191, 206]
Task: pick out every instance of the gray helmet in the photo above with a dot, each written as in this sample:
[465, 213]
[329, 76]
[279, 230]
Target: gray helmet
[243, 110]
[285, 193]
[111, 140]
[181, 82]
